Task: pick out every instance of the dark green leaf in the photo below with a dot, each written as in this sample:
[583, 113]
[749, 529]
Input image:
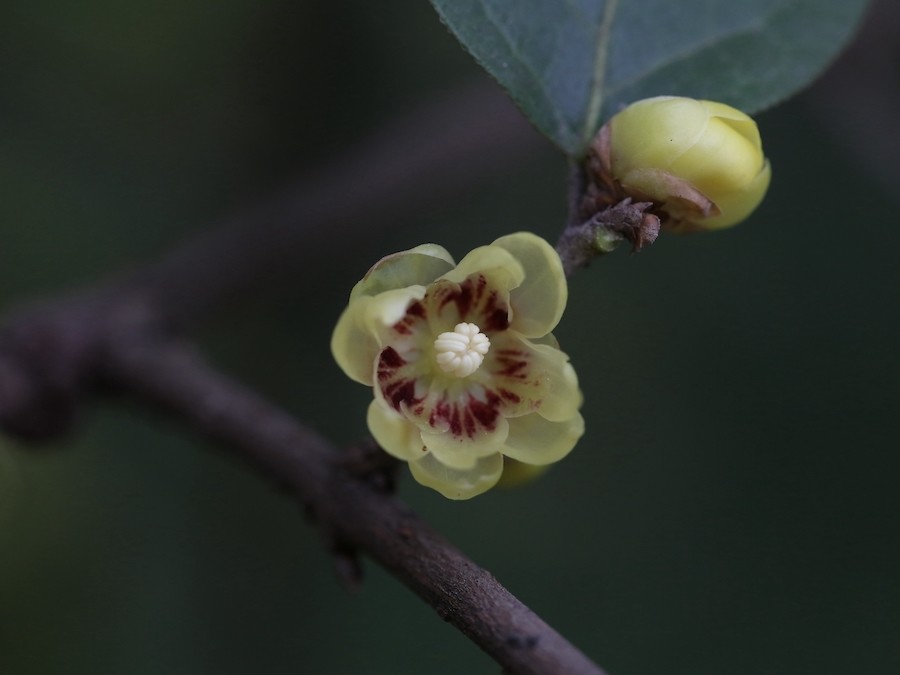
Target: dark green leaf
[570, 64]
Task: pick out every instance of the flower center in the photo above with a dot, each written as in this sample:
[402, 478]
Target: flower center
[459, 352]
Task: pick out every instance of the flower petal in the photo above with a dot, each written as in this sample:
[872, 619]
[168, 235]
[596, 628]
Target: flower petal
[530, 377]
[418, 266]
[357, 338]
[458, 483]
[538, 303]
[459, 421]
[736, 206]
[509, 271]
[535, 440]
[562, 397]
[394, 433]
[481, 298]
[463, 451]
[549, 339]
[736, 119]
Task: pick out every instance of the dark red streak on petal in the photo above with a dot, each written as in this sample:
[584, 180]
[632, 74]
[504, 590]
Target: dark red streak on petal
[495, 320]
[417, 309]
[401, 391]
[395, 389]
[469, 418]
[463, 299]
[512, 368]
[455, 422]
[440, 411]
[508, 395]
[414, 313]
[389, 358]
[486, 413]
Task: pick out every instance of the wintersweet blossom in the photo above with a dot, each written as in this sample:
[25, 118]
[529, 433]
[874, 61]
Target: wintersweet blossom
[465, 370]
[701, 161]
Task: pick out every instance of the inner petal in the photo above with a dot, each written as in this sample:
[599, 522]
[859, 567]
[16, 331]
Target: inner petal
[450, 412]
[480, 299]
[428, 370]
[529, 377]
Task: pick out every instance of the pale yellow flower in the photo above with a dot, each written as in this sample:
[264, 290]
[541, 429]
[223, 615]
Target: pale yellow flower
[679, 152]
[462, 361]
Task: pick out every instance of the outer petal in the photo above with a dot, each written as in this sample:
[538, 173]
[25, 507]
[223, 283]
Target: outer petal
[418, 266]
[486, 258]
[463, 451]
[736, 119]
[535, 440]
[456, 483]
[562, 397]
[530, 377]
[720, 161]
[736, 206]
[394, 433]
[655, 132]
[538, 303]
[357, 337]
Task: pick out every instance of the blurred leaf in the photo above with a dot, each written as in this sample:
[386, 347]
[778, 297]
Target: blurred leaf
[570, 64]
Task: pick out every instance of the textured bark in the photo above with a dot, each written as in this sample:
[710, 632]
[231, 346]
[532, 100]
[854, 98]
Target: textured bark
[123, 340]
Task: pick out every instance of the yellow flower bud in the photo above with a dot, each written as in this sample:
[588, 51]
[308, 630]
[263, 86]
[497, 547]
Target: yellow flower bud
[516, 474]
[701, 161]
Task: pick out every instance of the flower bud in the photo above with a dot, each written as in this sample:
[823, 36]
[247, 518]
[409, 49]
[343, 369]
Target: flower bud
[700, 161]
[516, 474]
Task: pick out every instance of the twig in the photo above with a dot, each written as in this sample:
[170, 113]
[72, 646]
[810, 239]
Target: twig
[357, 516]
[601, 214]
[120, 338]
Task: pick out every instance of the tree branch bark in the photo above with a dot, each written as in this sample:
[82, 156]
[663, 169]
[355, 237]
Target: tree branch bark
[351, 512]
[120, 340]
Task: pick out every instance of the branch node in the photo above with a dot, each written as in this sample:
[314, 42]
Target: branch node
[628, 221]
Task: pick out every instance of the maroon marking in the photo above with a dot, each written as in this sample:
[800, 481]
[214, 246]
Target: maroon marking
[469, 423]
[469, 418]
[414, 313]
[390, 359]
[494, 315]
[446, 293]
[463, 299]
[510, 396]
[512, 368]
[496, 321]
[511, 352]
[440, 411]
[472, 291]
[401, 391]
[455, 422]
[475, 301]
[486, 413]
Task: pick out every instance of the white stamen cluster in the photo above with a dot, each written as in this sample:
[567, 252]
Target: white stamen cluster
[460, 352]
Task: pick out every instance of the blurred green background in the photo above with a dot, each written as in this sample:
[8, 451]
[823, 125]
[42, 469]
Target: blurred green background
[732, 508]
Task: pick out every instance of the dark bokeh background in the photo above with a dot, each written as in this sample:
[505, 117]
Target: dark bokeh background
[732, 508]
